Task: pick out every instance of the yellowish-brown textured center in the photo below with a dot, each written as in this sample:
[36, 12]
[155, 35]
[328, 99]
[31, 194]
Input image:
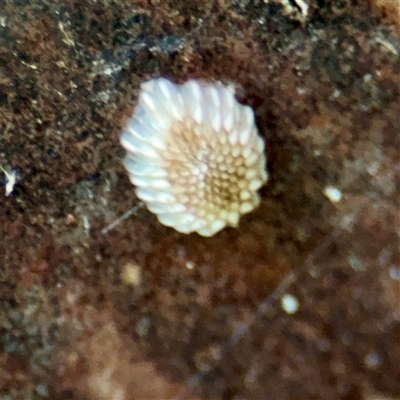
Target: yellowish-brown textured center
[209, 175]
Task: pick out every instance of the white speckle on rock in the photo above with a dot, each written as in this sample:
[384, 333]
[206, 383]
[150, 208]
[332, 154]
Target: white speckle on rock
[394, 273]
[104, 96]
[131, 274]
[189, 264]
[11, 180]
[333, 194]
[303, 6]
[289, 303]
[373, 360]
[356, 263]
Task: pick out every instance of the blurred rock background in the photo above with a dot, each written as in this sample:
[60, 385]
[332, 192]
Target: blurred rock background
[301, 302]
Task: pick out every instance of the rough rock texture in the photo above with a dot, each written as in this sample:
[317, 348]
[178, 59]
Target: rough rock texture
[143, 312]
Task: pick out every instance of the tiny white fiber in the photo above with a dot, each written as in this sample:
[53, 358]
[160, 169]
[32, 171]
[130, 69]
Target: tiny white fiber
[194, 155]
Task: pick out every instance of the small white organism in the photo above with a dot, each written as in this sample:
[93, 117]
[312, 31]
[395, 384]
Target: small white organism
[194, 155]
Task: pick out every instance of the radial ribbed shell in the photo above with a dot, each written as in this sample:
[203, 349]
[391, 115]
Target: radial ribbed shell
[194, 155]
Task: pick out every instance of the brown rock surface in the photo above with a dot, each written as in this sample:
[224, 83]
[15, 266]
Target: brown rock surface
[200, 318]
